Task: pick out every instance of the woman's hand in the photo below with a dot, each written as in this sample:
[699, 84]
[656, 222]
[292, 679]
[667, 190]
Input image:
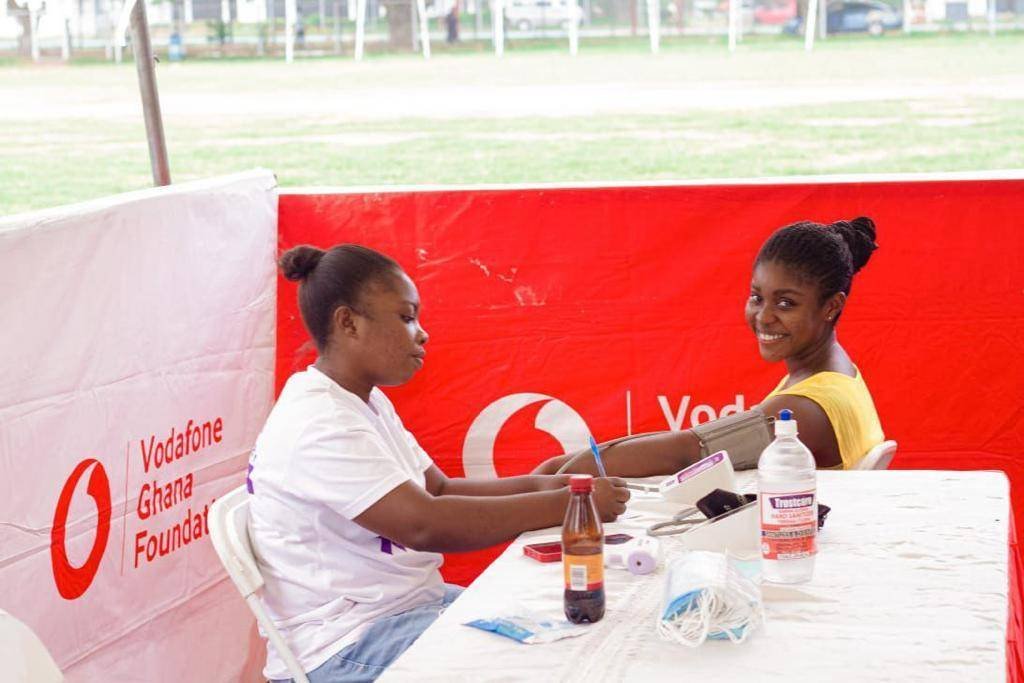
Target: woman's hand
[610, 496]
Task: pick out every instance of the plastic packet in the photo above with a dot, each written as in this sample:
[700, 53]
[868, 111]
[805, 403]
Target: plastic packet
[530, 629]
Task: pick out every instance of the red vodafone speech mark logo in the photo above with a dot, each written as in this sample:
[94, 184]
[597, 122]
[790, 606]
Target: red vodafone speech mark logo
[73, 581]
[555, 418]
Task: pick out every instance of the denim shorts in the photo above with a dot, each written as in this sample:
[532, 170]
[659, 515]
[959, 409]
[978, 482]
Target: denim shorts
[381, 644]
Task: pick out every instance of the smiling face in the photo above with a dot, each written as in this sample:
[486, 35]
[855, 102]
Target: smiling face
[388, 348]
[786, 313]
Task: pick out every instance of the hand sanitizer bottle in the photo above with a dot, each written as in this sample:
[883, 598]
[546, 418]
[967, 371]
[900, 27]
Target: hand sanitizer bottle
[787, 498]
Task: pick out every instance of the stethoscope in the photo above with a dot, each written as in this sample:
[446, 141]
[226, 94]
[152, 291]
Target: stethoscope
[683, 521]
[680, 522]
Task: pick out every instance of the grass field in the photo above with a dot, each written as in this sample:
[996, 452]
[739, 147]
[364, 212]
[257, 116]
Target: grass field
[615, 112]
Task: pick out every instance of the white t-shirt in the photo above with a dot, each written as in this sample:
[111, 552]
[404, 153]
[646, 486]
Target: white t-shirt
[323, 457]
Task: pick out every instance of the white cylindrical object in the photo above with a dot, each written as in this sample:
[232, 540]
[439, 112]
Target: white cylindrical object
[421, 10]
[734, 10]
[654, 24]
[574, 27]
[65, 43]
[33, 34]
[498, 23]
[290, 12]
[360, 28]
[809, 21]
[637, 556]
[641, 561]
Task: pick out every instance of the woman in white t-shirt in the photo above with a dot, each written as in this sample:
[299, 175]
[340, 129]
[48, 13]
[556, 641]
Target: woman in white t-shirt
[348, 514]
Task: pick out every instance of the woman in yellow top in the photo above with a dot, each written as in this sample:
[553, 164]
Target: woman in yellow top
[800, 285]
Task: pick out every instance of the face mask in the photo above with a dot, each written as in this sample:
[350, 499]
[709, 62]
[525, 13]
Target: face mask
[709, 595]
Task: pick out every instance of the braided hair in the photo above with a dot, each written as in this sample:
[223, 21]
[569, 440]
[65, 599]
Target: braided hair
[828, 255]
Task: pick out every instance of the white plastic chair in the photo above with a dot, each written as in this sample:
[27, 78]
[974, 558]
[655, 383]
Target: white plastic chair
[879, 457]
[229, 531]
[25, 658]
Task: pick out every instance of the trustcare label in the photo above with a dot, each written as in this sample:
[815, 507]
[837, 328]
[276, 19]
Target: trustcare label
[583, 572]
[789, 525]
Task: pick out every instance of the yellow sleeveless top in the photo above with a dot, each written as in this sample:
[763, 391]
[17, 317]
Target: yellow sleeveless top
[848, 405]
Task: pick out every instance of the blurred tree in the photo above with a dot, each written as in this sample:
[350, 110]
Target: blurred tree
[400, 24]
[21, 14]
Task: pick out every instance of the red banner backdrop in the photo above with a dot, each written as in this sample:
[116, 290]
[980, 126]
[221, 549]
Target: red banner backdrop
[553, 311]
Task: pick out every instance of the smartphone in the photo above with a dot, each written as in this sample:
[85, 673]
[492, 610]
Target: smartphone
[544, 552]
[720, 501]
[823, 511]
[552, 552]
[617, 539]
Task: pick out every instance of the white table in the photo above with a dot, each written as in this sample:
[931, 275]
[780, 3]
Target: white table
[910, 585]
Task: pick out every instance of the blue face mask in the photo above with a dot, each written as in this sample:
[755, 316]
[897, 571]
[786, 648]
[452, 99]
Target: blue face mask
[710, 595]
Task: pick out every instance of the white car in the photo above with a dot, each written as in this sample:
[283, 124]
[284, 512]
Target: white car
[526, 15]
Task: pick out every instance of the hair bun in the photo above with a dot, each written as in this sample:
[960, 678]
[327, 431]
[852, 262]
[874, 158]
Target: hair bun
[298, 262]
[859, 235]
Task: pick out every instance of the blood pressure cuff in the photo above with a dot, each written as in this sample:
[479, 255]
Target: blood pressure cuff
[743, 435]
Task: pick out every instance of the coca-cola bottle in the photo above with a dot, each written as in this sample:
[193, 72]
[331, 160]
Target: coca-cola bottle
[583, 553]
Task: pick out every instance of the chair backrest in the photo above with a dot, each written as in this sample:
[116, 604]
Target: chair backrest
[23, 654]
[229, 531]
[879, 457]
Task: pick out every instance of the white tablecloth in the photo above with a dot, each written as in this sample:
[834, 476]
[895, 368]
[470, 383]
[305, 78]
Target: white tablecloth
[910, 584]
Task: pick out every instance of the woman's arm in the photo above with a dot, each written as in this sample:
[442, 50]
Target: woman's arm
[412, 517]
[553, 465]
[652, 454]
[666, 453]
[813, 424]
[438, 484]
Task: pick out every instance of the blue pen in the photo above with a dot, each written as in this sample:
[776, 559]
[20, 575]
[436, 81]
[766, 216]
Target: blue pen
[597, 457]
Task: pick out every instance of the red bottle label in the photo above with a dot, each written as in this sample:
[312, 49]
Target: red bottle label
[789, 525]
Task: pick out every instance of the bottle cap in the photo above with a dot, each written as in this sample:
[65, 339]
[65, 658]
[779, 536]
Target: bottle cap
[581, 483]
[785, 425]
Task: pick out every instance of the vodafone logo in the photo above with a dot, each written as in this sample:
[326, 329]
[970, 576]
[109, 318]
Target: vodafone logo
[73, 581]
[555, 418]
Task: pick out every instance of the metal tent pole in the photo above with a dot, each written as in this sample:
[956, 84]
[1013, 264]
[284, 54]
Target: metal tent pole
[143, 49]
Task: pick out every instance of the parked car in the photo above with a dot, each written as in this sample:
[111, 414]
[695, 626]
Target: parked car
[852, 16]
[774, 12]
[710, 8]
[526, 15]
[765, 12]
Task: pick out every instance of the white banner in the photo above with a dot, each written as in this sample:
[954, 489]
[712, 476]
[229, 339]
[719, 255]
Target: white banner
[138, 356]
